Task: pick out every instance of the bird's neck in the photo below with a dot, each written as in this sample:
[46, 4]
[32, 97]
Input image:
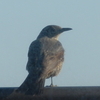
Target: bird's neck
[56, 37]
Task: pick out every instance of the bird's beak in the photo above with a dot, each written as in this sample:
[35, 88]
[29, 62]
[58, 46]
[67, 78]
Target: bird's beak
[65, 29]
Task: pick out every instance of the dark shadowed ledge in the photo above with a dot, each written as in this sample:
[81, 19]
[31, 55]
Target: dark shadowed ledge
[55, 93]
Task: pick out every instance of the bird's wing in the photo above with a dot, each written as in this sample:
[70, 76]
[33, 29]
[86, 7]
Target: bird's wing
[34, 55]
[33, 84]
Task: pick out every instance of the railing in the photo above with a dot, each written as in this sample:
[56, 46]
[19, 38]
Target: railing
[55, 93]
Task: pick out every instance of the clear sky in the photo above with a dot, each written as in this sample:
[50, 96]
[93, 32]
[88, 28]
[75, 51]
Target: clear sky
[22, 20]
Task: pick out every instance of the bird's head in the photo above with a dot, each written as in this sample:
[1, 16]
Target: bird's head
[52, 31]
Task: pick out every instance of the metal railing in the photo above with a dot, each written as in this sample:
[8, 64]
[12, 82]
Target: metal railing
[55, 93]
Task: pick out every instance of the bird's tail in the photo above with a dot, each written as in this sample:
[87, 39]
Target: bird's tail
[32, 85]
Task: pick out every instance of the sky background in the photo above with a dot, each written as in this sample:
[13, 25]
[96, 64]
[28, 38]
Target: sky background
[22, 20]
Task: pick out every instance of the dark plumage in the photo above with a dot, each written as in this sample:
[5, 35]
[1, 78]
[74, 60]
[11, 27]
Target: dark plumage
[45, 59]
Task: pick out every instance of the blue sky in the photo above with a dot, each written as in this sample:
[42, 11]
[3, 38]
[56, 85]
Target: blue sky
[22, 20]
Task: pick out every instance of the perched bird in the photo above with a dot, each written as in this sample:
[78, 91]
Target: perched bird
[45, 59]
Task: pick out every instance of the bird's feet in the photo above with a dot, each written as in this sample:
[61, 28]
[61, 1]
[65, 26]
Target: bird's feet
[51, 85]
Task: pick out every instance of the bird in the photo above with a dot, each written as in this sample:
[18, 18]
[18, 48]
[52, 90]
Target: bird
[45, 59]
